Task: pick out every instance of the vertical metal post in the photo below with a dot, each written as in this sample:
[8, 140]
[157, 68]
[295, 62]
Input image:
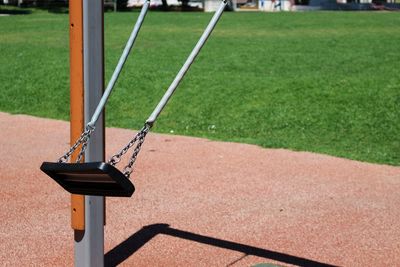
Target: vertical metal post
[89, 244]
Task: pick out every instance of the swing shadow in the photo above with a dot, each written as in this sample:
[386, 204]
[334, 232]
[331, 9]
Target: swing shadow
[137, 240]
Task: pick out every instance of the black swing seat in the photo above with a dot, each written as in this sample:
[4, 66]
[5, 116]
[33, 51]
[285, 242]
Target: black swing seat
[93, 178]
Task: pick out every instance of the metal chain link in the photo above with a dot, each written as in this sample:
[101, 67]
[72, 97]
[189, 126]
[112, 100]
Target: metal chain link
[117, 157]
[128, 169]
[83, 148]
[139, 138]
[83, 139]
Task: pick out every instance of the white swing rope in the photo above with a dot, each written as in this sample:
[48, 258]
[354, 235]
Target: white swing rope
[84, 137]
[141, 135]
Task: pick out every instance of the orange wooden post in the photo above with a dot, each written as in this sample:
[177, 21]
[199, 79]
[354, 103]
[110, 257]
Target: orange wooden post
[77, 100]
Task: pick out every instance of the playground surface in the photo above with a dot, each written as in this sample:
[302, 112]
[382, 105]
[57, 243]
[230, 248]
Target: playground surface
[202, 203]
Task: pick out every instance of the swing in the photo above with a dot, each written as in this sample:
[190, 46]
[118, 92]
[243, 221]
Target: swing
[104, 179]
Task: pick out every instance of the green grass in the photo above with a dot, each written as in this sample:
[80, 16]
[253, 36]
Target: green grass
[326, 82]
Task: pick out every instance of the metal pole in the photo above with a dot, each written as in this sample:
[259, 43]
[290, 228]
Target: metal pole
[187, 64]
[89, 244]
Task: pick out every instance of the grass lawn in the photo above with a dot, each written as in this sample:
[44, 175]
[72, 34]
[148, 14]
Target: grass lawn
[326, 82]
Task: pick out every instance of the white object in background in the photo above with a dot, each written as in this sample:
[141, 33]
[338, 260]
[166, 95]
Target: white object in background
[211, 5]
[139, 3]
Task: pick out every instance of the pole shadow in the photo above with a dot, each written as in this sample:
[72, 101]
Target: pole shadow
[128, 247]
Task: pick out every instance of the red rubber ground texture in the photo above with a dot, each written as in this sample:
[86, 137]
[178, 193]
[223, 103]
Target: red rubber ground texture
[202, 203]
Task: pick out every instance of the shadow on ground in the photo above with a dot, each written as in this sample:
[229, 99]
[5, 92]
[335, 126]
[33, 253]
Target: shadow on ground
[128, 247]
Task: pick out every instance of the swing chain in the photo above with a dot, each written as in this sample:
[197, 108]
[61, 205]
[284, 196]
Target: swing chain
[83, 139]
[128, 169]
[139, 136]
[84, 146]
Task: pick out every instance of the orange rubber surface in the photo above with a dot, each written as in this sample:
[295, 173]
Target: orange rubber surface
[202, 203]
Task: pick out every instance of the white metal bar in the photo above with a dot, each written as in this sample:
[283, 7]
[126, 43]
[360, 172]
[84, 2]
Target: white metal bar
[89, 247]
[120, 64]
[187, 64]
